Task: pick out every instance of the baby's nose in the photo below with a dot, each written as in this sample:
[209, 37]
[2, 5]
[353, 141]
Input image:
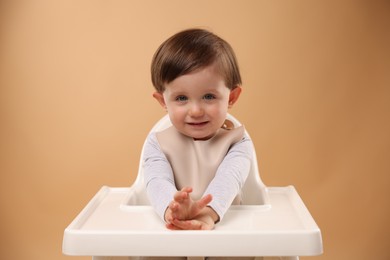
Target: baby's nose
[196, 110]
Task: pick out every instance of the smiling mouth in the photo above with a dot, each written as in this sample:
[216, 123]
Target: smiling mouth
[198, 123]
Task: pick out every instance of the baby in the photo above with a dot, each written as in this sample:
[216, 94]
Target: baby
[195, 169]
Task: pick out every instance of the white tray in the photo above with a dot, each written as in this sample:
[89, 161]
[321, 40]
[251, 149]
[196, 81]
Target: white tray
[106, 227]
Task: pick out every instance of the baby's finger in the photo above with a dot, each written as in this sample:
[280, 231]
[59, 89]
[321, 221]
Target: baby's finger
[188, 224]
[182, 194]
[203, 202]
[173, 206]
[187, 189]
[172, 227]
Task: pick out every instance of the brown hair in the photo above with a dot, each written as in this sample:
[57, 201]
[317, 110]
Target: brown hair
[190, 50]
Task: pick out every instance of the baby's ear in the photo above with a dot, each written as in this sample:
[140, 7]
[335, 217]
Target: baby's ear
[160, 98]
[234, 95]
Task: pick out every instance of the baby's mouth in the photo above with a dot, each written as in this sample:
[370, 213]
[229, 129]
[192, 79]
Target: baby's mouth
[198, 123]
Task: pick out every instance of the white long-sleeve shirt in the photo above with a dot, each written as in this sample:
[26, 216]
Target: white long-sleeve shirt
[224, 187]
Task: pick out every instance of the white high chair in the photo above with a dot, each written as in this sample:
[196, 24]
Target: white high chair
[119, 223]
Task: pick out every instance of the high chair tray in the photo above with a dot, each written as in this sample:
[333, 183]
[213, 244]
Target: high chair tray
[104, 228]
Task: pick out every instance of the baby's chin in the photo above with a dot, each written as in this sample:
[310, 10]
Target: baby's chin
[197, 133]
[201, 137]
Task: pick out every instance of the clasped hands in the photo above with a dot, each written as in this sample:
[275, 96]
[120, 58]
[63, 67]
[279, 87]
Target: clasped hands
[184, 213]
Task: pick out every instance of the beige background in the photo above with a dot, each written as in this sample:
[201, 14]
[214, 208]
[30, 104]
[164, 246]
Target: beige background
[76, 105]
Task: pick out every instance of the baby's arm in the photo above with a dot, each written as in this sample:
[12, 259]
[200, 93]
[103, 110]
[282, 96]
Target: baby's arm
[231, 175]
[158, 176]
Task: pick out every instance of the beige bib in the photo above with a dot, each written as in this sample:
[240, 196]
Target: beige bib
[194, 163]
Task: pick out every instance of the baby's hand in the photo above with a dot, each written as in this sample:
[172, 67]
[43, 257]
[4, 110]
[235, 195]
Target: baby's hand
[203, 221]
[183, 207]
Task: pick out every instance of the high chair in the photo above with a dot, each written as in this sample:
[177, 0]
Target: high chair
[119, 223]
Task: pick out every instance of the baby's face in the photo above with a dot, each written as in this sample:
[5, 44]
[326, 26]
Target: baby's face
[197, 102]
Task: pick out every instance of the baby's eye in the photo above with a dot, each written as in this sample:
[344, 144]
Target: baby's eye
[209, 96]
[181, 98]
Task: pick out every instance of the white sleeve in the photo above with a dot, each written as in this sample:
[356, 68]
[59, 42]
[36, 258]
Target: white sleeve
[158, 174]
[230, 176]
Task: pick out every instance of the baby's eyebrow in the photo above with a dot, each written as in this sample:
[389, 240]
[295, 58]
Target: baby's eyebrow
[212, 91]
[178, 94]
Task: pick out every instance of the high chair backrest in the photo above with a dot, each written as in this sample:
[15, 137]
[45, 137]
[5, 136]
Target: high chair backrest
[254, 191]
